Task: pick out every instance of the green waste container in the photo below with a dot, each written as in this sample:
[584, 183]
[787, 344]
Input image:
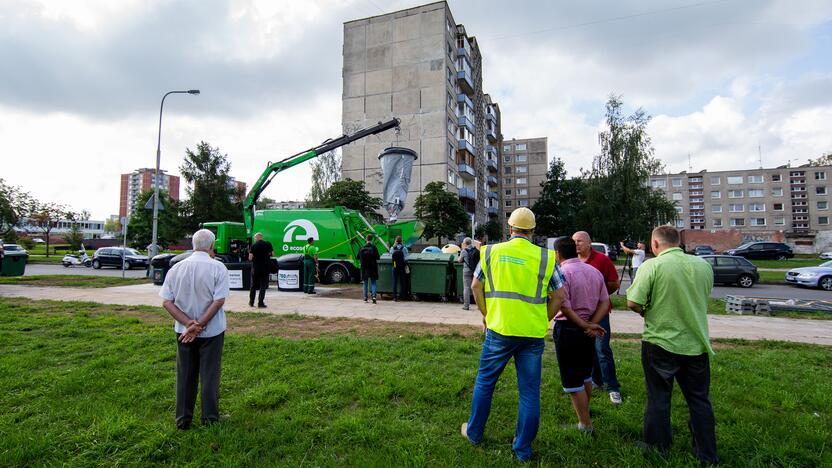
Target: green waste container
[431, 274]
[14, 264]
[459, 287]
[384, 284]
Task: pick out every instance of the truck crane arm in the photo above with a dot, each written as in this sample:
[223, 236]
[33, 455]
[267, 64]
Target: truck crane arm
[275, 168]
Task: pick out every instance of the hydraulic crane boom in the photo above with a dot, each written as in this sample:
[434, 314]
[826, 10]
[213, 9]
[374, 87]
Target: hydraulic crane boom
[275, 168]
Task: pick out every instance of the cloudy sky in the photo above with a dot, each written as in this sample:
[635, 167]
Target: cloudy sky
[82, 80]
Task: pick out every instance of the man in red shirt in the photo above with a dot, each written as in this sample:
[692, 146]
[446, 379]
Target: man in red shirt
[604, 369]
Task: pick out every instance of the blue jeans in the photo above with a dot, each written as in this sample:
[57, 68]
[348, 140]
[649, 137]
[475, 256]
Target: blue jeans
[373, 287]
[603, 370]
[399, 283]
[496, 352]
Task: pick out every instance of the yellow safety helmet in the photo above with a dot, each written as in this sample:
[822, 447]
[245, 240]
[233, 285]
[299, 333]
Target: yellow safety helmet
[522, 218]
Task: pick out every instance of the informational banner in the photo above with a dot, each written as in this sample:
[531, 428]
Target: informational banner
[288, 279]
[235, 279]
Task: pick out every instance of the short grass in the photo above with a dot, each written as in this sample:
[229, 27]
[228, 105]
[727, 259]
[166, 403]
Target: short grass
[72, 281]
[716, 306]
[772, 277]
[53, 259]
[86, 384]
[789, 263]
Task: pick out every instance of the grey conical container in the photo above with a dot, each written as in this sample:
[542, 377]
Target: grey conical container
[397, 165]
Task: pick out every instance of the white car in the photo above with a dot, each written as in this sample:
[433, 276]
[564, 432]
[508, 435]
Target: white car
[601, 247]
[826, 255]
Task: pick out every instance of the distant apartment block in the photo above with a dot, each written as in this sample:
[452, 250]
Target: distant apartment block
[237, 185]
[421, 66]
[141, 180]
[90, 229]
[524, 166]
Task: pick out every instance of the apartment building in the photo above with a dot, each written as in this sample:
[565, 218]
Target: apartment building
[141, 180]
[524, 166]
[421, 66]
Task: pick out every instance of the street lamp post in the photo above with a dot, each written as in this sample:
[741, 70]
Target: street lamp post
[154, 249]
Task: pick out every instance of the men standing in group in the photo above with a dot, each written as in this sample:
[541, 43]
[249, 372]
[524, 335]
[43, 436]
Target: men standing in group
[260, 256]
[469, 256]
[368, 257]
[637, 260]
[604, 367]
[587, 296]
[310, 266]
[194, 292]
[671, 293]
[398, 254]
[518, 288]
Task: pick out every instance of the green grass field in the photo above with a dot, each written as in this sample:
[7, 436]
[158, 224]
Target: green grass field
[72, 281]
[87, 384]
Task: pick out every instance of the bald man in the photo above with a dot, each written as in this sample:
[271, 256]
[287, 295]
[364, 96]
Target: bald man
[603, 372]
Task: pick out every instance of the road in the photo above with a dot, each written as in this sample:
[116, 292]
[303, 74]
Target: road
[772, 291]
[45, 269]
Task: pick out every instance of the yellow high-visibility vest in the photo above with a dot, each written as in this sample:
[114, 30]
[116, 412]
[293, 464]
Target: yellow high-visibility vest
[517, 275]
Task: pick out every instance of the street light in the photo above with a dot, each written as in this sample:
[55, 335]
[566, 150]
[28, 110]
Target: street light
[154, 249]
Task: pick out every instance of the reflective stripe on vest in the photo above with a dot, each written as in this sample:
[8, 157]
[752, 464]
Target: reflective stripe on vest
[509, 268]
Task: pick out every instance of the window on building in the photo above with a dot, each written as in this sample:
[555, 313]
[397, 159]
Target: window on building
[756, 207]
[507, 159]
[676, 182]
[522, 181]
[756, 193]
[522, 169]
[736, 207]
[451, 177]
[506, 147]
[508, 192]
[679, 209]
[735, 194]
[758, 221]
[507, 180]
[820, 175]
[508, 203]
[658, 183]
[823, 205]
[823, 219]
[716, 180]
[820, 190]
[755, 179]
[680, 223]
[450, 75]
[716, 208]
[522, 158]
[522, 203]
[521, 147]
[777, 192]
[737, 222]
[507, 169]
[779, 221]
[718, 222]
[677, 196]
[776, 178]
[777, 207]
[450, 50]
[451, 127]
[522, 191]
[716, 194]
[734, 180]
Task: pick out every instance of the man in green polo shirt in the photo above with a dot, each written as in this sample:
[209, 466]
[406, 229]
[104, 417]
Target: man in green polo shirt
[671, 293]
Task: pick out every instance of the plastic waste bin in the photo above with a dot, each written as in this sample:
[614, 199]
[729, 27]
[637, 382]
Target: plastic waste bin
[385, 274]
[14, 264]
[239, 275]
[459, 281]
[290, 272]
[161, 266]
[430, 274]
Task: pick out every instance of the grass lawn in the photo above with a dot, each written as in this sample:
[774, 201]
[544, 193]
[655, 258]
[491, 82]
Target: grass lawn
[53, 259]
[789, 263]
[72, 281]
[88, 384]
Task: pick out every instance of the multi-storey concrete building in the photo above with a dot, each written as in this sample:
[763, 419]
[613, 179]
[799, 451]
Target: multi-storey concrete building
[141, 180]
[524, 166]
[421, 66]
[793, 201]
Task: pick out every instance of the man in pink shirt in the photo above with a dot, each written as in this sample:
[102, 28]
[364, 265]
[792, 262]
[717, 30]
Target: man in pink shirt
[586, 294]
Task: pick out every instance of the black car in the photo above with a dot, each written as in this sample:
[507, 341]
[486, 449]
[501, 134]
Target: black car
[732, 270]
[704, 250]
[112, 256]
[763, 251]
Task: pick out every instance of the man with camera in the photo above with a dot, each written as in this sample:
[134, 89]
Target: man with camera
[637, 255]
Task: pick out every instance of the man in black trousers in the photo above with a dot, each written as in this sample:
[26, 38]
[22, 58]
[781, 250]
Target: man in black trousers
[260, 255]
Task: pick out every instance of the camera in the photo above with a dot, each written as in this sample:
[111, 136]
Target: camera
[629, 243]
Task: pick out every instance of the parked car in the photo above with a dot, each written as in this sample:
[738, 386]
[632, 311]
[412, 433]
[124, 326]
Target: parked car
[111, 256]
[38, 240]
[732, 270]
[826, 255]
[14, 248]
[815, 277]
[704, 250]
[601, 247]
[763, 251]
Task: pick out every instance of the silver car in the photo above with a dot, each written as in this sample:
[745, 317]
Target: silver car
[815, 277]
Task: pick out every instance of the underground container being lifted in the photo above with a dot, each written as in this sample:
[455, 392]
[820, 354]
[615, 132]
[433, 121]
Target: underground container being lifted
[290, 272]
[397, 166]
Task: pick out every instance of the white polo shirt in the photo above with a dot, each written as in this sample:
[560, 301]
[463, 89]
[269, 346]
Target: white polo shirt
[193, 284]
[638, 257]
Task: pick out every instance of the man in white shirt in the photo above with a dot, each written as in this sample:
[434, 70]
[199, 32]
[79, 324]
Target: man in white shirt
[194, 293]
[638, 257]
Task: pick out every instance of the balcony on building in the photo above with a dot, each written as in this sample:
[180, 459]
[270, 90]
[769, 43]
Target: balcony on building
[492, 180]
[491, 133]
[466, 193]
[467, 123]
[466, 171]
[463, 48]
[466, 83]
[493, 195]
[698, 186]
[492, 211]
[695, 180]
[490, 114]
[465, 99]
[491, 164]
[490, 151]
[466, 146]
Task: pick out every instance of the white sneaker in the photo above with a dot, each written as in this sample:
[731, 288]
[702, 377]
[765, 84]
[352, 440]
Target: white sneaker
[615, 398]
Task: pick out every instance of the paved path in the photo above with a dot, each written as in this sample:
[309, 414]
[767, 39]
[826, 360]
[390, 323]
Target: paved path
[328, 304]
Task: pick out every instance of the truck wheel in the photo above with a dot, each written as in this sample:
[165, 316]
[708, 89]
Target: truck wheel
[336, 274]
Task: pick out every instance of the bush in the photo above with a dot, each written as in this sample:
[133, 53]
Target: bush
[27, 243]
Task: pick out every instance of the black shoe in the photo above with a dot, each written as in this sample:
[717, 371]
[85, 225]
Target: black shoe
[374, 300]
[183, 426]
[261, 306]
[251, 303]
[312, 292]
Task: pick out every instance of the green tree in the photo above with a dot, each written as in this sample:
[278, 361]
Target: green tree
[265, 203]
[44, 216]
[825, 160]
[75, 236]
[350, 194]
[326, 170]
[211, 195]
[441, 211]
[112, 226]
[561, 201]
[619, 201]
[492, 229]
[15, 204]
[171, 226]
